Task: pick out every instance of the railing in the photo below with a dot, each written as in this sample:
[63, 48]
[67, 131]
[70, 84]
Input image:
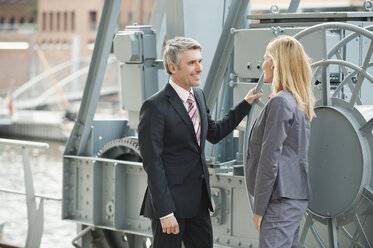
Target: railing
[35, 214]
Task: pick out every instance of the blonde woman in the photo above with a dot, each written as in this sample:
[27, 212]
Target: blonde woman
[277, 164]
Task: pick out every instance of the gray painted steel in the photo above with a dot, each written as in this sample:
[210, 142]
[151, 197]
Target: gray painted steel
[293, 6]
[223, 52]
[135, 48]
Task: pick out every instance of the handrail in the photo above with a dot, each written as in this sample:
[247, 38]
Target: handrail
[16, 192]
[35, 214]
[24, 143]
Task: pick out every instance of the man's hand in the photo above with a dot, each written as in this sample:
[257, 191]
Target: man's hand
[251, 97]
[170, 225]
[257, 221]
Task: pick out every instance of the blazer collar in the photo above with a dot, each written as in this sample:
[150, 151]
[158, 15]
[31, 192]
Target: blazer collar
[178, 105]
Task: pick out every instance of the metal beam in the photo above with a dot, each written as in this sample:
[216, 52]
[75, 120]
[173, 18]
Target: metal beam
[360, 230]
[332, 230]
[79, 138]
[157, 21]
[367, 127]
[293, 6]
[174, 18]
[223, 52]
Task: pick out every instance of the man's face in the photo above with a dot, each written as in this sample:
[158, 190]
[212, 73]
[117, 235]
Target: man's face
[188, 73]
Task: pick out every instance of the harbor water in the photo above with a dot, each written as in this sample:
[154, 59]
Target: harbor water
[46, 166]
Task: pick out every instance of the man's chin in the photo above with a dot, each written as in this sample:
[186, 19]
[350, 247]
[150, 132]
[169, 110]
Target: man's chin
[196, 83]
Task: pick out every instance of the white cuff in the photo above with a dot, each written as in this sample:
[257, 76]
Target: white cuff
[171, 214]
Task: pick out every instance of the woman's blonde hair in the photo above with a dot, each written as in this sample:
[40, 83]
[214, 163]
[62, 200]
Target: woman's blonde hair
[292, 71]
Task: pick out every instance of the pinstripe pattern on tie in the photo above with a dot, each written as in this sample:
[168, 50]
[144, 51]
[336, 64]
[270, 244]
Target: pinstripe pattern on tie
[193, 114]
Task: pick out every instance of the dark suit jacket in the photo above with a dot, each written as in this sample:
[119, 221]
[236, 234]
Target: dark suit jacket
[277, 163]
[173, 160]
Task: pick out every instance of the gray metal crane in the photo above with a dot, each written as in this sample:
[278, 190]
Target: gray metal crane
[103, 178]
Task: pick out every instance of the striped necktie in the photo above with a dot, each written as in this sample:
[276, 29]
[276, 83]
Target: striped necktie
[193, 114]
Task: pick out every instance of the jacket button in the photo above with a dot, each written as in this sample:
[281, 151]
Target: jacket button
[202, 176]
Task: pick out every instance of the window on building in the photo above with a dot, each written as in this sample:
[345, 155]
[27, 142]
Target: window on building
[72, 21]
[44, 22]
[58, 20]
[31, 20]
[92, 21]
[12, 23]
[21, 20]
[51, 21]
[2, 22]
[65, 21]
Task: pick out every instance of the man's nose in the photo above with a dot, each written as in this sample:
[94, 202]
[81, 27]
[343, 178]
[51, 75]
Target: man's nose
[199, 67]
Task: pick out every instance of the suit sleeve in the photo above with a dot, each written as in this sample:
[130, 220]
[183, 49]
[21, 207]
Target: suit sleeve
[217, 130]
[278, 120]
[151, 135]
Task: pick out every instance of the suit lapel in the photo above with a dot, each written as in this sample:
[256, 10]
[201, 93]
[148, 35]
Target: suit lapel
[177, 104]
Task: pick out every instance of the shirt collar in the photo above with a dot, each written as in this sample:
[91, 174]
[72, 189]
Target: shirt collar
[183, 93]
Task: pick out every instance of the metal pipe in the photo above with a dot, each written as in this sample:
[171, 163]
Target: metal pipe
[80, 235]
[104, 160]
[25, 143]
[16, 192]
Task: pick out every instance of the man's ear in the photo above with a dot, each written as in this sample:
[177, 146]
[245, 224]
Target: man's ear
[172, 68]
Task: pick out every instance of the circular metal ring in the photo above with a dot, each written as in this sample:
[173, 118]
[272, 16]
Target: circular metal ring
[274, 9]
[368, 6]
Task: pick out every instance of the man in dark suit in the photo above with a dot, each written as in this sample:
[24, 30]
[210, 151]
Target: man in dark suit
[174, 125]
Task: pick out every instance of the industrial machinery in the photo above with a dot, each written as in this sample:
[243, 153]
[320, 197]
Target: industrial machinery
[103, 178]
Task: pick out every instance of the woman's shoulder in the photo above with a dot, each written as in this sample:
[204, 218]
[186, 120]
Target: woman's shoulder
[283, 97]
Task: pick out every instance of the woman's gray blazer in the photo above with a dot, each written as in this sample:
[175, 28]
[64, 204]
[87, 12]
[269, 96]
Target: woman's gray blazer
[277, 164]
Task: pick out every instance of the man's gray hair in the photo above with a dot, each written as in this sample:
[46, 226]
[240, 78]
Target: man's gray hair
[173, 49]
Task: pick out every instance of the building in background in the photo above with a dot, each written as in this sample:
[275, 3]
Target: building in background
[62, 30]
[17, 29]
